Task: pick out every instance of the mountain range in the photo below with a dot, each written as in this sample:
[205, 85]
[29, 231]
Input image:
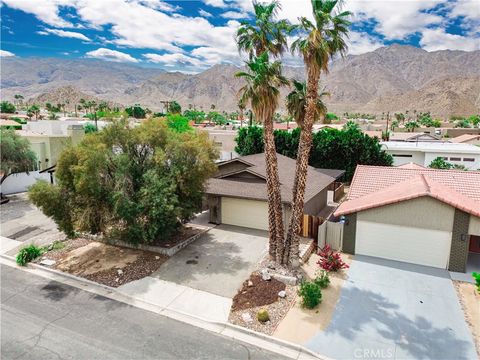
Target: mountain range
[394, 78]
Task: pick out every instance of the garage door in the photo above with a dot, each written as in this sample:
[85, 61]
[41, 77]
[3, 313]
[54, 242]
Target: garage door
[409, 244]
[247, 213]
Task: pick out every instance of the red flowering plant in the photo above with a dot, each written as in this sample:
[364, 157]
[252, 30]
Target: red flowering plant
[330, 260]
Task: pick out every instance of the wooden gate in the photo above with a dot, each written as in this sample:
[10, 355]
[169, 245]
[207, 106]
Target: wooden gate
[309, 228]
[330, 233]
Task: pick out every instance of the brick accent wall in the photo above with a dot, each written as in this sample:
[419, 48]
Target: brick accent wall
[459, 248]
[349, 233]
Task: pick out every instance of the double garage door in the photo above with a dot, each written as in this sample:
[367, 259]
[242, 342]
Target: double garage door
[246, 213]
[409, 244]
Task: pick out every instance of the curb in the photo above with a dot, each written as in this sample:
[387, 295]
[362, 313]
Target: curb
[251, 337]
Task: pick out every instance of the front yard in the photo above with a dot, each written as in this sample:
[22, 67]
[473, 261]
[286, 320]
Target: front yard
[105, 264]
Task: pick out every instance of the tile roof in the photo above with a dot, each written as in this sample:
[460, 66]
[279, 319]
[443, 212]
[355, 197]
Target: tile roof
[375, 186]
[465, 138]
[411, 165]
[244, 188]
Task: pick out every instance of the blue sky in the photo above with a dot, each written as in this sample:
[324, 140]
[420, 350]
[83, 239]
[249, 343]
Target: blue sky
[194, 35]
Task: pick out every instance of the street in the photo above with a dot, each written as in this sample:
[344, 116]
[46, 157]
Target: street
[43, 319]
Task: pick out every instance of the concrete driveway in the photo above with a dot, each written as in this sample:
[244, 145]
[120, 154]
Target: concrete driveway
[218, 262]
[394, 310]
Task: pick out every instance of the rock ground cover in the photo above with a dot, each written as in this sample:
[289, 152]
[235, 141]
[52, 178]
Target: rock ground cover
[470, 301]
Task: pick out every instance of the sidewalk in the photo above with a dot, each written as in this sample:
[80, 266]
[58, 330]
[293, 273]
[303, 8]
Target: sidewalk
[170, 296]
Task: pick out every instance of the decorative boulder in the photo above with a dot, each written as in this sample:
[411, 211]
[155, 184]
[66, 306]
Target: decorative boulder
[282, 294]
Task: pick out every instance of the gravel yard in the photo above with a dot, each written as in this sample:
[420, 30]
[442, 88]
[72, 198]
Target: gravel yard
[470, 301]
[106, 264]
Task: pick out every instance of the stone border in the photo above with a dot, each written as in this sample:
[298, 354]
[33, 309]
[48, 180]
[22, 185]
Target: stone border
[157, 249]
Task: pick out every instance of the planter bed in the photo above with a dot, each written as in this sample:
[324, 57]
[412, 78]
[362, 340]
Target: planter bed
[105, 264]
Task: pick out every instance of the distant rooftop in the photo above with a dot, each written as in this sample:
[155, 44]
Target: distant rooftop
[431, 147]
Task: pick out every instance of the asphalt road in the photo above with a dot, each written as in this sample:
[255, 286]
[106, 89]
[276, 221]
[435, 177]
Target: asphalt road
[43, 319]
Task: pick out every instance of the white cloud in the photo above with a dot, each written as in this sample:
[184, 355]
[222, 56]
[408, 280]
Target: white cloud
[234, 15]
[110, 55]
[158, 5]
[204, 13]
[47, 11]
[172, 60]
[5, 53]
[359, 43]
[63, 33]
[216, 3]
[438, 39]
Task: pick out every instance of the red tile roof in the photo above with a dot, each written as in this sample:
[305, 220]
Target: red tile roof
[375, 186]
[411, 165]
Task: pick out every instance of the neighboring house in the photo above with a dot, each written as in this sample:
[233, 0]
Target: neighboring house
[237, 194]
[225, 142]
[373, 133]
[467, 139]
[10, 124]
[423, 153]
[48, 147]
[412, 137]
[422, 216]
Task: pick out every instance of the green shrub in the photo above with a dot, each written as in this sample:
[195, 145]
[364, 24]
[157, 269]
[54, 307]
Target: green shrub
[262, 315]
[476, 276]
[311, 294]
[323, 280]
[27, 254]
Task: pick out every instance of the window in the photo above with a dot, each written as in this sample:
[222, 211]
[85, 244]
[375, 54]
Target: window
[445, 158]
[402, 155]
[455, 159]
[469, 159]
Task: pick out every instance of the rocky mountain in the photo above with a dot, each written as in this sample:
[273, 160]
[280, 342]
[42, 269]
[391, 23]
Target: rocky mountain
[393, 78]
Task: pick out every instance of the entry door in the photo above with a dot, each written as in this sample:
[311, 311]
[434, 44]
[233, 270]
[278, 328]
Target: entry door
[474, 244]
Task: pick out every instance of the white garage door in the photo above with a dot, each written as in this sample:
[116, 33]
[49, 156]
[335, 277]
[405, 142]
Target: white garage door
[409, 244]
[247, 213]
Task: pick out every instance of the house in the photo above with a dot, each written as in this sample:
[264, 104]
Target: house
[422, 216]
[471, 139]
[412, 137]
[237, 194]
[423, 153]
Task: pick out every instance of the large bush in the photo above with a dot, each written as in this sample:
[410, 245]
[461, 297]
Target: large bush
[331, 149]
[137, 184]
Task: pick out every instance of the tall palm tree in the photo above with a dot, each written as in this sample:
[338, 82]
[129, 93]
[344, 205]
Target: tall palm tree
[297, 99]
[263, 79]
[319, 42]
[241, 109]
[268, 36]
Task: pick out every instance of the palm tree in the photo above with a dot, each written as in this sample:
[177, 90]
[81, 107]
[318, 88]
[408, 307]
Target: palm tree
[262, 82]
[267, 36]
[297, 99]
[241, 108]
[319, 42]
[35, 109]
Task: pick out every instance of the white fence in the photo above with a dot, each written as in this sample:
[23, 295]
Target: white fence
[20, 182]
[330, 233]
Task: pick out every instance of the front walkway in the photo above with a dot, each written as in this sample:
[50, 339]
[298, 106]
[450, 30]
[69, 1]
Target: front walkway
[395, 310]
[473, 265]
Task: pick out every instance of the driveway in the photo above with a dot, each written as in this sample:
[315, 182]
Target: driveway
[394, 310]
[218, 262]
[22, 221]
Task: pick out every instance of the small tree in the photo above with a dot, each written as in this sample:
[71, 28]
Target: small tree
[136, 111]
[440, 163]
[136, 184]
[7, 107]
[178, 123]
[174, 107]
[89, 128]
[249, 140]
[16, 154]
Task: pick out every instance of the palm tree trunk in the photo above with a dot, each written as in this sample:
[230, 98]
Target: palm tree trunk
[292, 242]
[275, 216]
